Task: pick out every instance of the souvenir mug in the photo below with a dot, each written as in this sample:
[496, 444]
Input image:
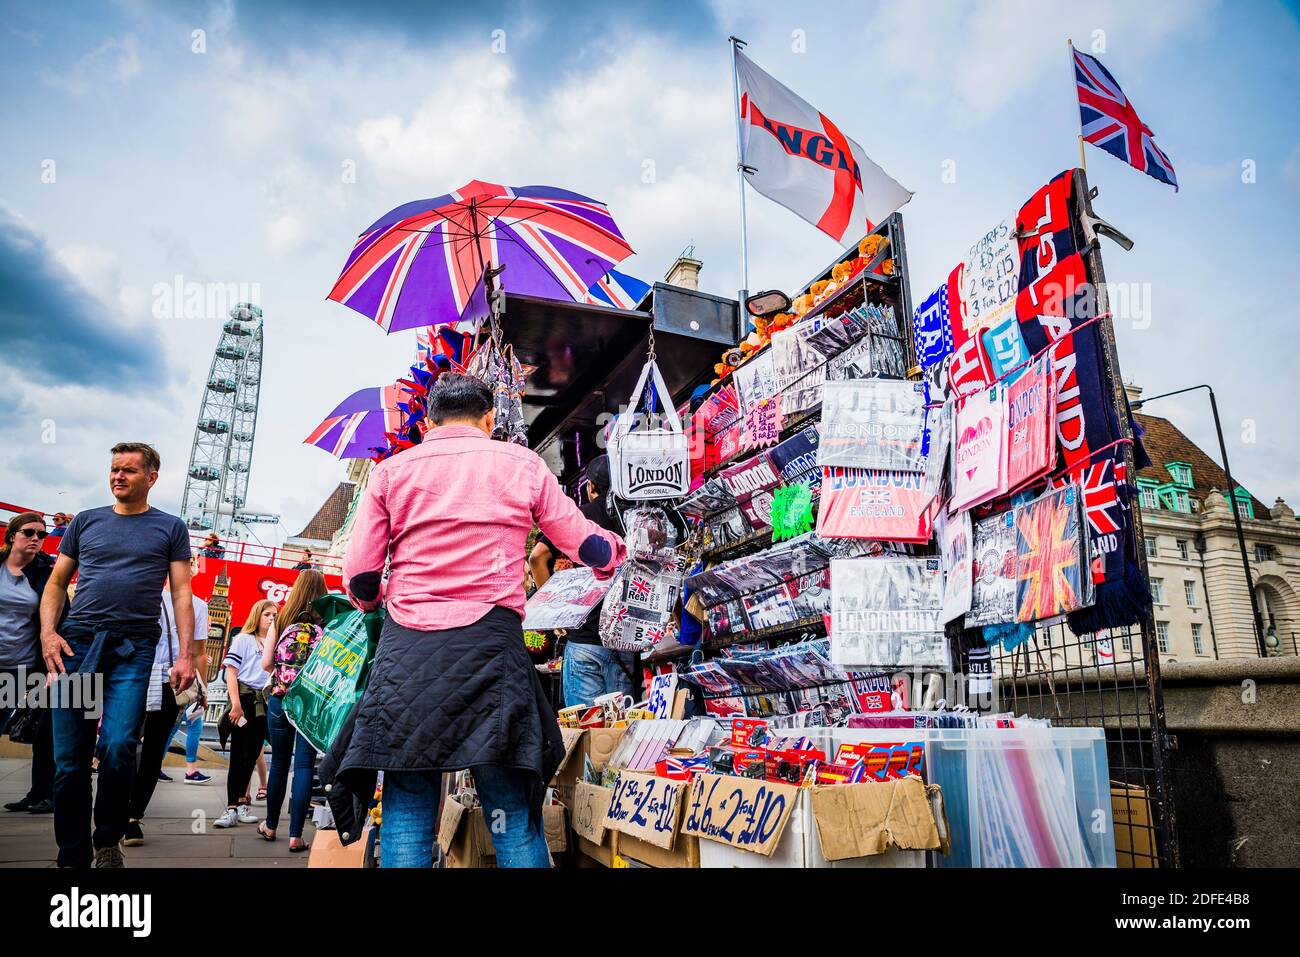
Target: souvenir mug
[569, 716]
[594, 717]
[613, 704]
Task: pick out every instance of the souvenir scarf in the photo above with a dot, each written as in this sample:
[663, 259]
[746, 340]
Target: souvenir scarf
[1051, 556]
[1053, 307]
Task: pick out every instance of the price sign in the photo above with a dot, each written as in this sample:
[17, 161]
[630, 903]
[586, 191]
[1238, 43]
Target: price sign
[645, 807]
[662, 688]
[742, 812]
[590, 806]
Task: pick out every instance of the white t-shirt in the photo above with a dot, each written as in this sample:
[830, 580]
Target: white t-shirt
[245, 657]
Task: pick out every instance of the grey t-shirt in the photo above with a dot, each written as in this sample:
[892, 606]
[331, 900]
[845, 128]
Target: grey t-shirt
[121, 566]
[20, 630]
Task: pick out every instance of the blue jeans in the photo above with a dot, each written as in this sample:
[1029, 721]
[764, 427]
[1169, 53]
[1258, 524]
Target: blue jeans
[193, 733]
[125, 663]
[593, 670]
[287, 745]
[411, 813]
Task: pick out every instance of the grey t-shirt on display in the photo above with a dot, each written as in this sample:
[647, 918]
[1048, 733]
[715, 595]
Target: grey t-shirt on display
[122, 563]
[20, 630]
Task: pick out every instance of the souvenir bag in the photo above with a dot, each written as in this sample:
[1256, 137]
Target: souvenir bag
[648, 463]
[1052, 575]
[334, 677]
[647, 619]
[501, 372]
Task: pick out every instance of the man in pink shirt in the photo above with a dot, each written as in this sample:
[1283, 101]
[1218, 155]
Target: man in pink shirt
[452, 685]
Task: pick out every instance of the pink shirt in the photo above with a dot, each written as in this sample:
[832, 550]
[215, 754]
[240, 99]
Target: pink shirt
[452, 517]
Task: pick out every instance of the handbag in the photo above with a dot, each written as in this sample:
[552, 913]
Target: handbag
[650, 463]
[191, 694]
[23, 725]
[498, 369]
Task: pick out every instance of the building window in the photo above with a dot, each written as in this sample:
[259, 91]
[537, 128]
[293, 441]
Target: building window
[1245, 509]
[1183, 552]
[1150, 500]
[1189, 592]
[1162, 636]
[1181, 473]
[1158, 591]
[1265, 553]
[1179, 500]
[1126, 642]
[1198, 645]
[1153, 551]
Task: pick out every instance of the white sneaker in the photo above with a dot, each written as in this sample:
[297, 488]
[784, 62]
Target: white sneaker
[246, 815]
[228, 819]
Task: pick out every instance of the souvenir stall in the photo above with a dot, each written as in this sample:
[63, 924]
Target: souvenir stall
[877, 497]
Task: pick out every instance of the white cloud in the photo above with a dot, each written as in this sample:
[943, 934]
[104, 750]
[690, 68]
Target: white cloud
[116, 61]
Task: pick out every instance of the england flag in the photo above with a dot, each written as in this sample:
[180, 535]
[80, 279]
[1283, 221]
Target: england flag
[793, 154]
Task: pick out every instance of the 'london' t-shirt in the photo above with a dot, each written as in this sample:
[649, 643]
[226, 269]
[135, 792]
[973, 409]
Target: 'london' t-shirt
[122, 563]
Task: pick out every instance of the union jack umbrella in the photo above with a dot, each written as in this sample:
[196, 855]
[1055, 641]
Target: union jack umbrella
[418, 264]
[617, 289]
[360, 423]
[1108, 120]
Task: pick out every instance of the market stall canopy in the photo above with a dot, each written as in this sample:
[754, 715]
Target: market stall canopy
[586, 358]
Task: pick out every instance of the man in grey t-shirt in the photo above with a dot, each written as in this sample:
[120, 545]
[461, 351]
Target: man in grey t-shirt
[122, 554]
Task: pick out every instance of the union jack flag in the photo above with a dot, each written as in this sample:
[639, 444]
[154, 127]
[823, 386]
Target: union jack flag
[1109, 121]
[639, 587]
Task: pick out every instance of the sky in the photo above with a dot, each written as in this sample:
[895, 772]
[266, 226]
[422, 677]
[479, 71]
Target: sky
[245, 145]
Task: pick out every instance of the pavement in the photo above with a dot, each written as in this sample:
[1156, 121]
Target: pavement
[178, 827]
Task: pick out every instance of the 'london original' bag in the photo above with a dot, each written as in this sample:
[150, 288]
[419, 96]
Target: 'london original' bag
[650, 463]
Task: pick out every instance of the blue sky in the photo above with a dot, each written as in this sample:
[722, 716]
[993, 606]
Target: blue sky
[226, 166]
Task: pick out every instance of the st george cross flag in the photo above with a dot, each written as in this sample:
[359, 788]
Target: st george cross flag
[794, 155]
[1109, 121]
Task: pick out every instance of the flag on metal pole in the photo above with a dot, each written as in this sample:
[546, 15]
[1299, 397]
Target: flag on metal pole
[794, 155]
[1107, 120]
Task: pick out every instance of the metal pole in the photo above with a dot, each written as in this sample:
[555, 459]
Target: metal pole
[1232, 504]
[1083, 160]
[736, 44]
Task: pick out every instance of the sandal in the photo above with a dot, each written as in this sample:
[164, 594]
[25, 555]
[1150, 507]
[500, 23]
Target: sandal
[302, 845]
[266, 833]
[261, 794]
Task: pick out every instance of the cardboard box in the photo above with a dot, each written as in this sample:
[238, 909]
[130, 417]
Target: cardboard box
[597, 744]
[328, 851]
[874, 824]
[1135, 836]
[594, 855]
[685, 852]
[466, 841]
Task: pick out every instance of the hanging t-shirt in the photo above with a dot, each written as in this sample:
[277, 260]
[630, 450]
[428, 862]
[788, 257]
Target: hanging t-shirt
[977, 463]
[874, 503]
[955, 552]
[1051, 556]
[1031, 414]
[993, 591]
[245, 656]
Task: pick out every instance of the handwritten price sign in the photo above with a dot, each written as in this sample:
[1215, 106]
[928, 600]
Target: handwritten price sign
[590, 807]
[645, 807]
[742, 812]
[662, 688]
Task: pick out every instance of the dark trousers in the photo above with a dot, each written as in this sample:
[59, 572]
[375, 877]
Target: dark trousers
[157, 732]
[42, 786]
[245, 745]
[120, 666]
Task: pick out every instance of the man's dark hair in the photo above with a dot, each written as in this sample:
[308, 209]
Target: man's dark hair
[152, 463]
[598, 473]
[455, 396]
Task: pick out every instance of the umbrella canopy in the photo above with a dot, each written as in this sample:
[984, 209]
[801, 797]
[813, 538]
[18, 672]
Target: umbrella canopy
[418, 264]
[359, 423]
[617, 289]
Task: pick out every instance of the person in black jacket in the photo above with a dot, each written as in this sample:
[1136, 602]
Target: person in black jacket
[24, 570]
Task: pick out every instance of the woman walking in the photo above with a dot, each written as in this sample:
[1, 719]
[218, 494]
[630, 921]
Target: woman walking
[245, 680]
[24, 570]
[284, 659]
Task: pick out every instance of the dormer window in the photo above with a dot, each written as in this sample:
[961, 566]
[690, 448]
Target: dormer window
[1240, 500]
[1181, 473]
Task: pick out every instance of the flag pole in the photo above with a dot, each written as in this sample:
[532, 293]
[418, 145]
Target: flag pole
[743, 330]
[1083, 159]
